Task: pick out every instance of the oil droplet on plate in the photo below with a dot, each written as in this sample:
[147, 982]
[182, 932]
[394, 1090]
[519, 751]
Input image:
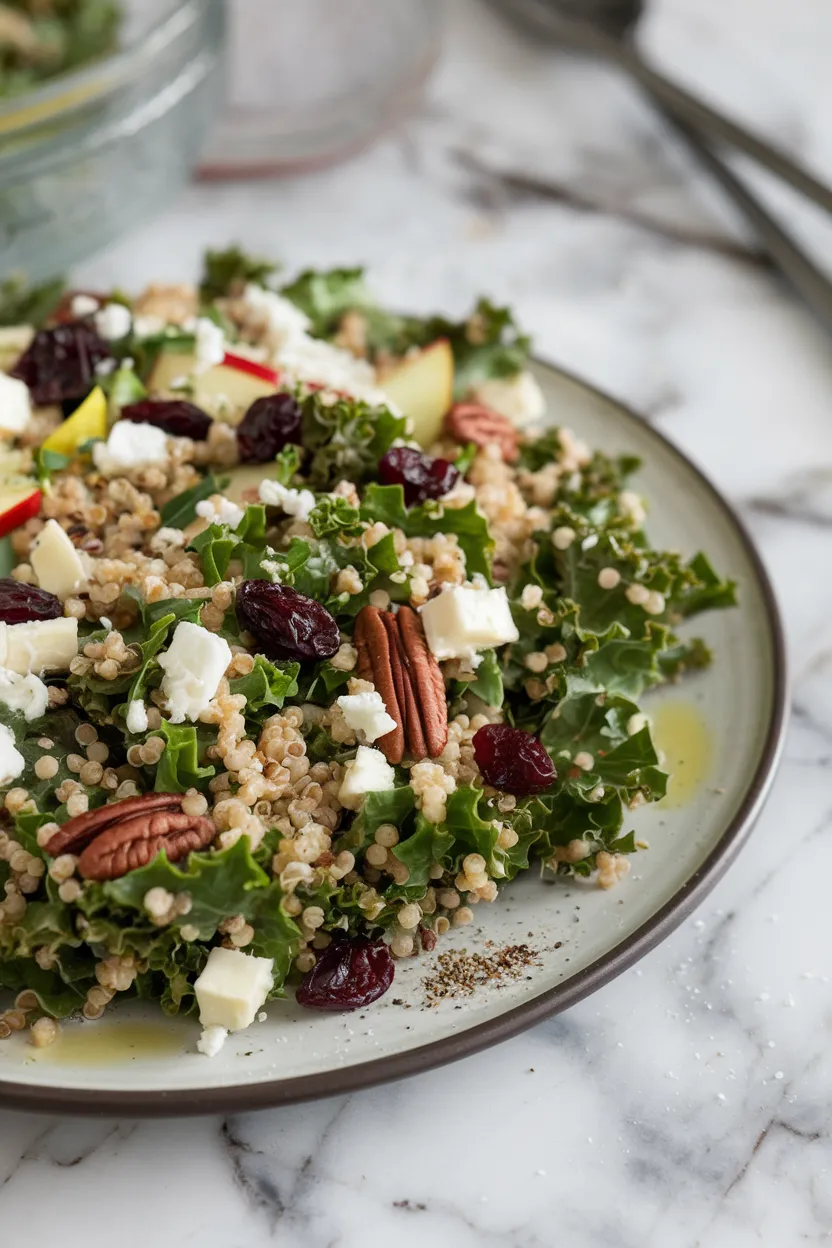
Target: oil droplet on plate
[110, 1044]
[683, 739]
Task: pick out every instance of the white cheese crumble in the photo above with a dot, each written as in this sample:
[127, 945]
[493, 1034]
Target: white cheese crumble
[232, 988]
[194, 664]
[148, 326]
[12, 762]
[136, 718]
[219, 510]
[297, 503]
[59, 567]
[212, 1040]
[282, 318]
[84, 305]
[210, 345]
[113, 321]
[368, 772]
[366, 712]
[519, 397]
[465, 619]
[23, 693]
[39, 645]
[15, 404]
[130, 445]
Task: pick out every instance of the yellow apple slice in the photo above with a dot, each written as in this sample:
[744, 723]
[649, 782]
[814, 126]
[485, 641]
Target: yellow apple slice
[225, 391]
[423, 387]
[89, 420]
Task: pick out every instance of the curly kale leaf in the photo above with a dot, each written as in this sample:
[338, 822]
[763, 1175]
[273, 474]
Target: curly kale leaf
[226, 271]
[325, 295]
[346, 439]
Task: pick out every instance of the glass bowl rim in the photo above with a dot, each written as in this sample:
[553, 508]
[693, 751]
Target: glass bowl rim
[73, 93]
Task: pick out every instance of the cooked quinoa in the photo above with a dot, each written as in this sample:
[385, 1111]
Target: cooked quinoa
[537, 537]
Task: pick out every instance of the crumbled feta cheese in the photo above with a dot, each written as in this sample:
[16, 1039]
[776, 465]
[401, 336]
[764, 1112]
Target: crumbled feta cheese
[212, 1040]
[465, 619]
[368, 772]
[366, 712]
[194, 664]
[130, 445]
[12, 762]
[136, 719]
[113, 321]
[281, 318]
[39, 645]
[210, 345]
[232, 988]
[23, 693]
[165, 537]
[59, 567]
[519, 397]
[84, 305]
[220, 510]
[15, 404]
[297, 503]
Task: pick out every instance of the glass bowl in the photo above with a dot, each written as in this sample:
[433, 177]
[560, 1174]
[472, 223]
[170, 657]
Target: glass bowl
[312, 81]
[93, 153]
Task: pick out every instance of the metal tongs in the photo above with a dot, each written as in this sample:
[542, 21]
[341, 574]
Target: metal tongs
[701, 127]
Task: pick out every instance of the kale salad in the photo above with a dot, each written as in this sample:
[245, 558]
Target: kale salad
[315, 635]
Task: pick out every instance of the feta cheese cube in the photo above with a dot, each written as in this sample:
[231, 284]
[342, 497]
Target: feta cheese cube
[366, 712]
[194, 664]
[23, 693]
[130, 445]
[212, 1040]
[136, 719]
[219, 510]
[297, 503]
[519, 397]
[59, 567]
[368, 772]
[12, 762]
[465, 619]
[15, 404]
[39, 646]
[232, 988]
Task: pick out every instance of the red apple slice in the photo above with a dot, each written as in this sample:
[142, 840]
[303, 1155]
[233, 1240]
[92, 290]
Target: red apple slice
[227, 390]
[20, 500]
[422, 385]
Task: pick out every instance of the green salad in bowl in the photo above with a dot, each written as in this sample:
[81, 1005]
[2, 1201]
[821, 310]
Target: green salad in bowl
[315, 634]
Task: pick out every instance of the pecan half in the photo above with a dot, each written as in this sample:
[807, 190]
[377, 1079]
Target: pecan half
[118, 838]
[394, 655]
[473, 422]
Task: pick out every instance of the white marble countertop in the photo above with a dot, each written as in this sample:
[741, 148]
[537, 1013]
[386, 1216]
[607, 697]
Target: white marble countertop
[649, 1116]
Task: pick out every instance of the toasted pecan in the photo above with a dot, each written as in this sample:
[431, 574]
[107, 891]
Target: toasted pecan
[394, 655]
[119, 837]
[474, 422]
[77, 833]
[135, 842]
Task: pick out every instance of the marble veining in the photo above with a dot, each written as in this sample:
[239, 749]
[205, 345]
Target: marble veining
[686, 1105]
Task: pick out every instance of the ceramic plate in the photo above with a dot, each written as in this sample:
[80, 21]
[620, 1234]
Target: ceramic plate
[721, 733]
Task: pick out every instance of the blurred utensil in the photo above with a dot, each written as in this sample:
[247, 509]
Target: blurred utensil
[607, 34]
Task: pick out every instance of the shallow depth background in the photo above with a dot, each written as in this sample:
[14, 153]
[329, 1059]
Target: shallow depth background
[688, 1103]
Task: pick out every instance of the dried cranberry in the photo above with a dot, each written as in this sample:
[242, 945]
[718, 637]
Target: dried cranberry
[59, 363]
[21, 603]
[267, 426]
[421, 475]
[288, 625]
[348, 975]
[176, 416]
[512, 760]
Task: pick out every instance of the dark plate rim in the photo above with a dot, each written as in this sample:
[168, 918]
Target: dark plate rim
[243, 1098]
